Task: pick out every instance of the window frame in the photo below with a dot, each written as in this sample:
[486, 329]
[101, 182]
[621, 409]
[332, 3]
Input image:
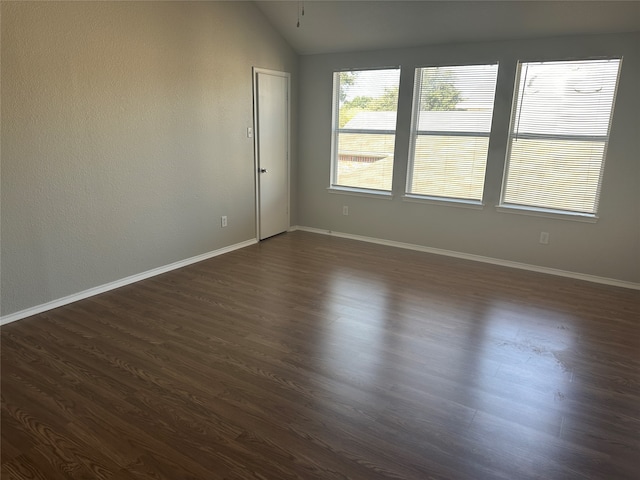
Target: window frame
[334, 187]
[538, 211]
[414, 133]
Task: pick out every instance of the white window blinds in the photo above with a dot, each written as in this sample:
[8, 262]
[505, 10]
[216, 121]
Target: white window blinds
[453, 108]
[559, 134]
[364, 128]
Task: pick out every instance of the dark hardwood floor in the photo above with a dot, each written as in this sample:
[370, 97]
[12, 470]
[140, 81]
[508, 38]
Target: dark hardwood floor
[312, 357]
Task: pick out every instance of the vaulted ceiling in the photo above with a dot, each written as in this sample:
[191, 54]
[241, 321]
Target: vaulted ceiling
[342, 26]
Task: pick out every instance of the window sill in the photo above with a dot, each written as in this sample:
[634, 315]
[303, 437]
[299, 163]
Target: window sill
[444, 202]
[361, 192]
[541, 212]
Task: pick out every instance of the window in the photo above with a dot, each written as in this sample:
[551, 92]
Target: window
[364, 128]
[559, 134]
[452, 112]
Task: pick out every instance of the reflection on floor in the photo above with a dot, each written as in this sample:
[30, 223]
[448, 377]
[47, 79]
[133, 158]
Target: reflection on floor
[308, 357]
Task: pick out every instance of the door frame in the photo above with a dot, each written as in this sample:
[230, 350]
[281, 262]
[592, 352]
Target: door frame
[256, 136]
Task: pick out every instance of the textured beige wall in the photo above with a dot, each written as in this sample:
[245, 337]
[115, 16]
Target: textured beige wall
[609, 248]
[124, 138]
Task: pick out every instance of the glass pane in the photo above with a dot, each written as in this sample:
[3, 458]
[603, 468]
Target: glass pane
[449, 166]
[566, 98]
[559, 134]
[367, 104]
[365, 160]
[458, 121]
[555, 174]
[453, 108]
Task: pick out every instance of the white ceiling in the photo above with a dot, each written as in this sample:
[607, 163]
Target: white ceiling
[346, 26]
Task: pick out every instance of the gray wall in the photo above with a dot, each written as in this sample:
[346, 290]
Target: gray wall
[124, 138]
[609, 248]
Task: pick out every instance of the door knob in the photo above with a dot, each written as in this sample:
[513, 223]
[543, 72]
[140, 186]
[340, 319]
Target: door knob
[263, 170]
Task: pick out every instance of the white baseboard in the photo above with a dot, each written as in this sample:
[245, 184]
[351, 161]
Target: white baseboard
[476, 258]
[120, 283]
[420, 248]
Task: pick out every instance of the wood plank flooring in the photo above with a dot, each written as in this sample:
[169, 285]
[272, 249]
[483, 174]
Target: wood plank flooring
[312, 357]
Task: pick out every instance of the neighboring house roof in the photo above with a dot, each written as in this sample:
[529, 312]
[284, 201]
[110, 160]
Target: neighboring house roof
[373, 121]
[565, 118]
[438, 121]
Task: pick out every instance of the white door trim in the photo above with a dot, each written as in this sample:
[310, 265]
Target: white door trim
[256, 133]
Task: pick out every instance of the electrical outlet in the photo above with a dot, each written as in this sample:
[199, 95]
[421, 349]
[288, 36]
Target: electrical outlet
[249, 132]
[223, 221]
[345, 210]
[544, 238]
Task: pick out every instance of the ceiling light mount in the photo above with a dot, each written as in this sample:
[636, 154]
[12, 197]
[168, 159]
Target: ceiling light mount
[300, 12]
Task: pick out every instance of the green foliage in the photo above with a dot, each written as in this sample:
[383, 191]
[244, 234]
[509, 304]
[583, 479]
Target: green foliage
[347, 113]
[387, 102]
[351, 108]
[359, 102]
[346, 78]
[438, 92]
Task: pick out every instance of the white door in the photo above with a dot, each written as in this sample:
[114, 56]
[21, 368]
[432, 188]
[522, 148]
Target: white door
[271, 104]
